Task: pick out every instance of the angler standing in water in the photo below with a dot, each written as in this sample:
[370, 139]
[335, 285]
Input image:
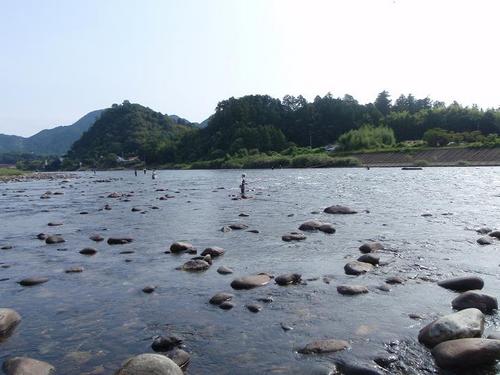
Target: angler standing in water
[242, 185]
[135, 172]
[153, 175]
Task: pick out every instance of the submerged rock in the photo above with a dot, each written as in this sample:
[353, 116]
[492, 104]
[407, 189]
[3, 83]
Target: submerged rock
[484, 302]
[371, 247]
[249, 282]
[369, 258]
[310, 225]
[289, 278]
[462, 284]
[149, 289]
[223, 270]
[195, 265]
[88, 251]
[467, 323]
[119, 240]
[357, 268]
[226, 305]
[30, 281]
[74, 270]
[179, 247]
[339, 210]
[54, 240]
[213, 251]
[164, 344]
[324, 346]
[9, 319]
[218, 298]
[293, 236]
[351, 290]
[466, 353]
[154, 364]
[180, 357]
[253, 307]
[27, 366]
[96, 238]
[485, 240]
[238, 226]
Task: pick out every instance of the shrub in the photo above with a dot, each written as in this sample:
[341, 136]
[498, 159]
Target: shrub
[367, 137]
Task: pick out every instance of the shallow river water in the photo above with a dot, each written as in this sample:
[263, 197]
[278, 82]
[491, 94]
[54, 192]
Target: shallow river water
[94, 320]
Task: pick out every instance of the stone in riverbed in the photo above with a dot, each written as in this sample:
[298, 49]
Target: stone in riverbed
[27, 366]
[495, 234]
[9, 319]
[30, 281]
[483, 230]
[74, 270]
[88, 251]
[164, 344]
[96, 238]
[223, 270]
[467, 323]
[289, 278]
[351, 290]
[195, 265]
[485, 241]
[226, 305]
[213, 251]
[238, 226]
[293, 236]
[253, 307]
[310, 225]
[466, 353]
[371, 247]
[357, 268]
[54, 224]
[462, 284]
[149, 289]
[369, 258]
[324, 346]
[249, 282]
[180, 357]
[54, 239]
[327, 228]
[218, 298]
[225, 229]
[180, 247]
[154, 364]
[484, 302]
[392, 280]
[119, 240]
[41, 236]
[339, 210]
[360, 368]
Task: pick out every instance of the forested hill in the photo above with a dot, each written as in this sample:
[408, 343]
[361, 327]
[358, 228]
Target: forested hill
[128, 130]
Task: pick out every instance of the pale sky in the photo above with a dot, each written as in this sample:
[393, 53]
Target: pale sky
[60, 59]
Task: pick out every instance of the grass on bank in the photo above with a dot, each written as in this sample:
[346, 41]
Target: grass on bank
[10, 172]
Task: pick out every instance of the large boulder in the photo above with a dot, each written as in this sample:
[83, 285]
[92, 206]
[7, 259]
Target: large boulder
[149, 364]
[357, 268]
[249, 282]
[9, 319]
[324, 346]
[463, 324]
[27, 366]
[462, 284]
[466, 353]
[339, 210]
[472, 299]
[371, 247]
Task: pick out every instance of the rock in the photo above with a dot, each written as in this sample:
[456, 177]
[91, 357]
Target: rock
[243, 215]
[293, 236]
[249, 282]
[485, 241]
[483, 230]
[30, 281]
[472, 299]
[394, 280]
[357, 268]
[213, 251]
[96, 238]
[254, 307]
[225, 229]
[286, 327]
[324, 346]
[114, 195]
[153, 364]
[310, 225]
[360, 368]
[226, 305]
[223, 270]
[369, 258]
[339, 210]
[119, 241]
[74, 270]
[6, 247]
[385, 360]
[9, 319]
[195, 265]
[180, 357]
[462, 284]
[53, 224]
[371, 247]
[289, 278]
[27, 366]
[135, 209]
[54, 239]
[495, 234]
[218, 298]
[384, 288]
[238, 226]
[149, 289]
[41, 236]
[467, 323]
[466, 353]
[351, 290]
[267, 299]
[164, 344]
[88, 251]
[107, 207]
[179, 247]
[327, 228]
[253, 231]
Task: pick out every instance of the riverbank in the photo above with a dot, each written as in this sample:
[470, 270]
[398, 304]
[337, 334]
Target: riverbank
[23, 176]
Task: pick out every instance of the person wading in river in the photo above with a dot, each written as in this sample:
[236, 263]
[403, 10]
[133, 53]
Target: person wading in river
[242, 185]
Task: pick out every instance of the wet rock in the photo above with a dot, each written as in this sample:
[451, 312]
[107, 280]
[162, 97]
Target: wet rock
[6, 247]
[114, 195]
[179, 247]
[238, 226]
[88, 251]
[267, 299]
[495, 234]
[324, 346]
[149, 364]
[226, 305]
[254, 307]
[164, 344]
[119, 240]
[96, 238]
[149, 289]
[385, 360]
[180, 357]
[243, 215]
[41, 236]
[27, 366]
[195, 265]
[467, 323]
[53, 224]
[74, 270]
[249, 282]
[327, 228]
[339, 210]
[392, 280]
[253, 231]
[213, 251]
[286, 327]
[351, 290]
[31, 281]
[462, 284]
[218, 298]
[371, 247]
[310, 225]
[9, 319]
[293, 236]
[485, 241]
[357, 268]
[369, 258]
[54, 239]
[135, 209]
[384, 288]
[223, 270]
[225, 229]
[466, 353]
[127, 252]
[484, 302]
[483, 230]
[289, 278]
[84, 213]
[360, 368]
[107, 207]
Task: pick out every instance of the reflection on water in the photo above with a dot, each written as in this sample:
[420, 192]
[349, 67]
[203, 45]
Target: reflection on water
[92, 321]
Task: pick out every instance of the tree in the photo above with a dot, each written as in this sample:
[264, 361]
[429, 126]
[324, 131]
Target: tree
[383, 103]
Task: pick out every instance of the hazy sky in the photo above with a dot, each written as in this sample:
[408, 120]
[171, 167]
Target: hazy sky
[62, 59]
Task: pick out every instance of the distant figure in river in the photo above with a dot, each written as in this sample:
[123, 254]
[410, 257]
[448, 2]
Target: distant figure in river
[242, 185]
[153, 175]
[135, 172]
[94, 171]
[144, 170]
